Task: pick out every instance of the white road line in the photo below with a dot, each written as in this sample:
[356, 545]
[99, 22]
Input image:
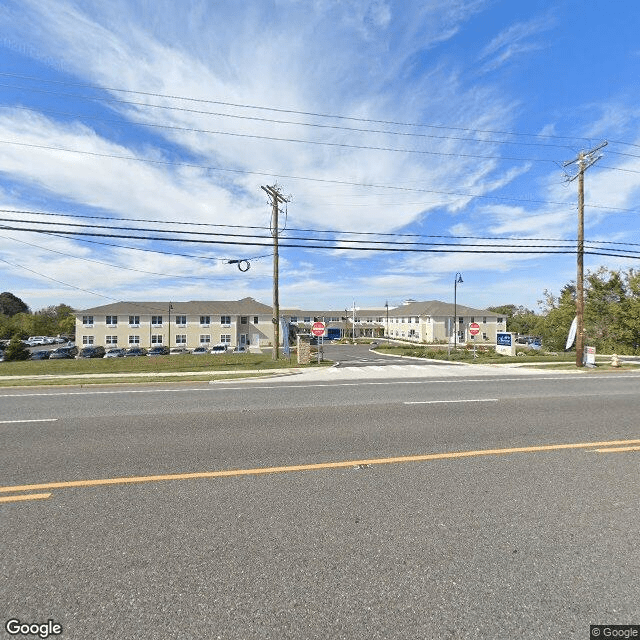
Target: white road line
[452, 401]
[19, 421]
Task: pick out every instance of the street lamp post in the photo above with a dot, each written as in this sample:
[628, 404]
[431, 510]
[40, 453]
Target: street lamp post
[386, 304]
[458, 280]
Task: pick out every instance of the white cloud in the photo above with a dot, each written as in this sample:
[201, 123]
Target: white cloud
[515, 40]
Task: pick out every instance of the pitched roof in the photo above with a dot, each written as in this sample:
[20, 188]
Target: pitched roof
[437, 308]
[246, 306]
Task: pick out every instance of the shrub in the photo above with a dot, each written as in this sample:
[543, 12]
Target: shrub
[16, 350]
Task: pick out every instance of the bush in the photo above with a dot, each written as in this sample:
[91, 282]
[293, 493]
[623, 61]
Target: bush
[16, 350]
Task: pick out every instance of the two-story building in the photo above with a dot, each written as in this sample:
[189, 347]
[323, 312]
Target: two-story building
[243, 322]
[434, 322]
[248, 323]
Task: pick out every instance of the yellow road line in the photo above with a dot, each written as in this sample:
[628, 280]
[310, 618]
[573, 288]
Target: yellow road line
[312, 467]
[30, 496]
[617, 449]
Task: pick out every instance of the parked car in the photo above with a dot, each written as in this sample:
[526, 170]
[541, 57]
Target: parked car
[198, 351]
[219, 348]
[115, 353]
[239, 349]
[40, 355]
[37, 341]
[63, 353]
[135, 352]
[92, 352]
[179, 351]
[159, 350]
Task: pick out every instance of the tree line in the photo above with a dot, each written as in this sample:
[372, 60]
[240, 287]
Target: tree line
[16, 319]
[611, 313]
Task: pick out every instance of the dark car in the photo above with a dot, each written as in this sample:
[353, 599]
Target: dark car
[68, 353]
[39, 355]
[92, 352]
[219, 348]
[200, 351]
[135, 352]
[160, 350]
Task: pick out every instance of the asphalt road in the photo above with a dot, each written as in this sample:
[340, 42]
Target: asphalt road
[498, 507]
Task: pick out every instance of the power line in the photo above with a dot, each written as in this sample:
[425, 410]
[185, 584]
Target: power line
[451, 248]
[269, 120]
[305, 178]
[322, 143]
[293, 111]
[117, 266]
[292, 229]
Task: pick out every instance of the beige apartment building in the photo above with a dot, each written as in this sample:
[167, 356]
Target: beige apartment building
[243, 322]
[248, 323]
[433, 322]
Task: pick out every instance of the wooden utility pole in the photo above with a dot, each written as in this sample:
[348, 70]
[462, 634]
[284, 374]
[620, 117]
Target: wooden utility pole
[584, 160]
[276, 199]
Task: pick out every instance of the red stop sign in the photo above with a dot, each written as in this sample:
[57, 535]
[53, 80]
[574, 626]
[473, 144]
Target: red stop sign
[474, 328]
[318, 329]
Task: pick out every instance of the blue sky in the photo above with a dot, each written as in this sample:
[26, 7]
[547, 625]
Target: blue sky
[450, 121]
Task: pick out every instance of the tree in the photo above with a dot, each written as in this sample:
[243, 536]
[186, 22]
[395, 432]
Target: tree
[605, 306]
[10, 305]
[16, 350]
[519, 319]
[559, 315]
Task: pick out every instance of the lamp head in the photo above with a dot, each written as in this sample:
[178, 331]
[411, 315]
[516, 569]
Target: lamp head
[459, 278]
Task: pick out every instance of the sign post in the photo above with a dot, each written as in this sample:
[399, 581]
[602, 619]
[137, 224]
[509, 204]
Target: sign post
[474, 330]
[318, 329]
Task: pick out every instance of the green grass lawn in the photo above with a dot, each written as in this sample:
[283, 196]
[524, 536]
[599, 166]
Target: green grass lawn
[482, 356]
[171, 363]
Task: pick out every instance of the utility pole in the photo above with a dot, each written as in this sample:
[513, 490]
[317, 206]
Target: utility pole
[276, 199]
[584, 160]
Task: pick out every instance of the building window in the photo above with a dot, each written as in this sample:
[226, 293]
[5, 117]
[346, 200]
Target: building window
[306, 319]
[205, 339]
[181, 321]
[225, 338]
[484, 320]
[484, 336]
[294, 318]
[225, 321]
[134, 339]
[134, 321]
[111, 340]
[499, 320]
[205, 321]
[244, 320]
[156, 321]
[87, 339]
[112, 320]
[255, 319]
[87, 321]
[181, 338]
[156, 338]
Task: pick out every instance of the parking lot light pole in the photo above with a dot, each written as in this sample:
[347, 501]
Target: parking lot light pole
[458, 280]
[386, 304]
